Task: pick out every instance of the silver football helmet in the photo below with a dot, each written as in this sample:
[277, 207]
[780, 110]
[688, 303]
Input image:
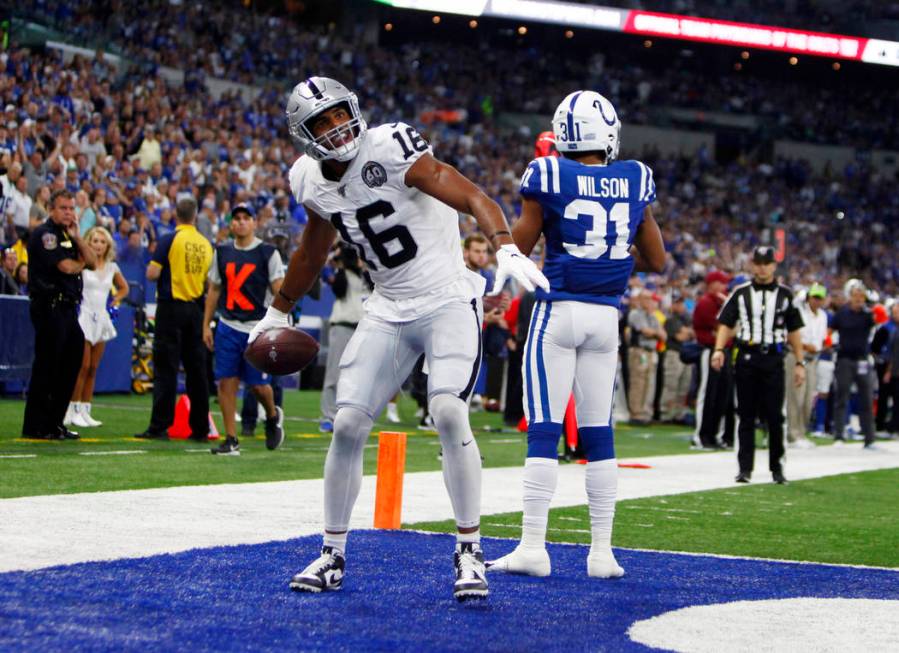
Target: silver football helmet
[311, 97]
[585, 121]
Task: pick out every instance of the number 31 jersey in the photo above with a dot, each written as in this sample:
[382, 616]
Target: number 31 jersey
[408, 239]
[591, 214]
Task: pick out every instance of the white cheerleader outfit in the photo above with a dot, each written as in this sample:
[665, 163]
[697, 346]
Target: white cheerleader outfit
[94, 318]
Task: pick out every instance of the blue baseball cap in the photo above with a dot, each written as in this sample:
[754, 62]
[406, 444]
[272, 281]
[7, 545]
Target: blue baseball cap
[246, 208]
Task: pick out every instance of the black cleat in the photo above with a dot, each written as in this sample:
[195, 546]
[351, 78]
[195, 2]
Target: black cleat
[779, 478]
[152, 435]
[743, 477]
[66, 434]
[230, 447]
[325, 574]
[471, 575]
[274, 430]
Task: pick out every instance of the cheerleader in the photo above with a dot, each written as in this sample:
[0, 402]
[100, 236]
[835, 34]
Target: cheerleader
[95, 322]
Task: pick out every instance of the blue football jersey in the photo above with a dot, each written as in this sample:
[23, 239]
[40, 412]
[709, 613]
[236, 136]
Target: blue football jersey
[590, 218]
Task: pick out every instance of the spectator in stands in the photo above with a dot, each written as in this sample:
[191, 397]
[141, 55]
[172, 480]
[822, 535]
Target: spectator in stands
[22, 278]
[87, 217]
[645, 335]
[880, 349]
[179, 266]
[715, 386]
[801, 398]
[40, 208]
[150, 151]
[8, 283]
[677, 375]
[853, 323]
[96, 322]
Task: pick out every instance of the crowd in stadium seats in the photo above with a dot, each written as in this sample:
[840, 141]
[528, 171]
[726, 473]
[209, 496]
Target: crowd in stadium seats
[220, 41]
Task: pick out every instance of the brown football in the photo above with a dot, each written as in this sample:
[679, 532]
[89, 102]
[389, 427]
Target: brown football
[282, 351]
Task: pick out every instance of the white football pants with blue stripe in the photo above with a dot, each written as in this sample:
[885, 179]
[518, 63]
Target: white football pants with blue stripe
[571, 346]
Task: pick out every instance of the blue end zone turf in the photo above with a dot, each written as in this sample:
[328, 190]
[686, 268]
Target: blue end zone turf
[397, 596]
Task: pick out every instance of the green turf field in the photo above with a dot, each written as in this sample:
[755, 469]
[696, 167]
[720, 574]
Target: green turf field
[850, 519]
[109, 458]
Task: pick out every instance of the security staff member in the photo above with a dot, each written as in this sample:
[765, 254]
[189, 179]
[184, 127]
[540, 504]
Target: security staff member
[179, 267]
[762, 317]
[57, 255]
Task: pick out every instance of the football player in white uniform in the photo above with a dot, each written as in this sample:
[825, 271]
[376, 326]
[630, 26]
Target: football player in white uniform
[381, 190]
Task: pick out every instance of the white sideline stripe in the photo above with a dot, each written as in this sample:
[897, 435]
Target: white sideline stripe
[44, 531]
[127, 452]
[19, 455]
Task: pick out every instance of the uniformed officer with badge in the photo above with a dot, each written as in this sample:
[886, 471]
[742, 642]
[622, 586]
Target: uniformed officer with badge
[57, 255]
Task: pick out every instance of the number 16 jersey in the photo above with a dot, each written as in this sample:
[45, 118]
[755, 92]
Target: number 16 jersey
[408, 239]
[591, 214]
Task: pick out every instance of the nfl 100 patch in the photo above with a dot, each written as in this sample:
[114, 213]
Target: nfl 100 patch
[374, 174]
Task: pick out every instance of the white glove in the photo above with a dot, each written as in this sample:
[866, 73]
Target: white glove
[510, 262]
[274, 319]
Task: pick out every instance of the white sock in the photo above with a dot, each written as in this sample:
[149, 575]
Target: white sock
[474, 537]
[540, 478]
[602, 488]
[86, 408]
[336, 541]
[461, 464]
[343, 472]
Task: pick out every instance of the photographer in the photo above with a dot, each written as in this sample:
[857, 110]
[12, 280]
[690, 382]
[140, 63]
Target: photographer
[351, 285]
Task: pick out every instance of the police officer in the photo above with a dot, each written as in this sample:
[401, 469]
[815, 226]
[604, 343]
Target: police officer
[761, 316]
[57, 255]
[179, 267]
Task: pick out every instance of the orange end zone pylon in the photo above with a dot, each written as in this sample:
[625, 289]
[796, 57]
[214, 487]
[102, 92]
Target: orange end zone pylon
[389, 487]
[180, 428]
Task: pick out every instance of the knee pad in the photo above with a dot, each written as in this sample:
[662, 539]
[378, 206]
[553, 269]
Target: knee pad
[598, 442]
[543, 440]
[351, 425]
[450, 415]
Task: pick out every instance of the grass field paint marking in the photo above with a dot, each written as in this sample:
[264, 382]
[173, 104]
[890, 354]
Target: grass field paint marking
[19, 455]
[112, 453]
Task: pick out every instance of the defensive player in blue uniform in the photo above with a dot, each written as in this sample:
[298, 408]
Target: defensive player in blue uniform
[595, 214]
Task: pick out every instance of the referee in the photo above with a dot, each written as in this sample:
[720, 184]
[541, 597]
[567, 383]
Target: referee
[761, 316]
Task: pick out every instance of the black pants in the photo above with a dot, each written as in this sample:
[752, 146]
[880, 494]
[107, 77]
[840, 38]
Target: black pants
[717, 401]
[893, 390]
[179, 339]
[760, 393]
[883, 398]
[58, 349]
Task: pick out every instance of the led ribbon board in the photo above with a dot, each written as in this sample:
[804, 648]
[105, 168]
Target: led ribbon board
[674, 26]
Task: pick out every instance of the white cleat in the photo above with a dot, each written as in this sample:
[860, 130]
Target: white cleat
[87, 417]
[528, 561]
[393, 415]
[602, 564]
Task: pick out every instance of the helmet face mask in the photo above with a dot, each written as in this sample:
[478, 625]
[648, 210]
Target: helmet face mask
[585, 121]
[308, 100]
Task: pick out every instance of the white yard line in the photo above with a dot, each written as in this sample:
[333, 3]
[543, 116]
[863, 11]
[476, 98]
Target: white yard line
[43, 531]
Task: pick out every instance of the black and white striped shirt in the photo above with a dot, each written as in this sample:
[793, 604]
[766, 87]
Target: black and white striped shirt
[762, 314]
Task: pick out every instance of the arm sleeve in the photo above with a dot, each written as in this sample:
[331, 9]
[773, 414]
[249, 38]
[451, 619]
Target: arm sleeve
[728, 315]
[161, 255]
[646, 188]
[793, 318]
[214, 276]
[275, 266]
[534, 182]
[403, 146]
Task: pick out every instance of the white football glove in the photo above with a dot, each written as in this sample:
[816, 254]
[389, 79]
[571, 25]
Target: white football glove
[510, 262]
[274, 319]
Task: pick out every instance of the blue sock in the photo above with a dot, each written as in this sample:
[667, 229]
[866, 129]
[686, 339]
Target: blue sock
[820, 413]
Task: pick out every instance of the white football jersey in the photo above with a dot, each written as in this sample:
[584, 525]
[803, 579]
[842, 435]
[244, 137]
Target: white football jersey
[409, 240]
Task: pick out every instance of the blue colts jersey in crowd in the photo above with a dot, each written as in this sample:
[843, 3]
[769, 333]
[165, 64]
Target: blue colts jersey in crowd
[591, 214]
